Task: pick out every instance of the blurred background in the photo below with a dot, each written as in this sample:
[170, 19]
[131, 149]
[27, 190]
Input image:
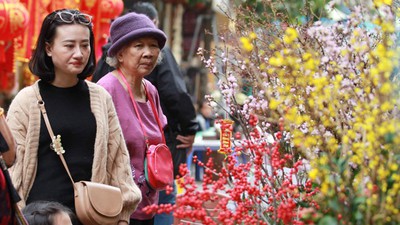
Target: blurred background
[189, 24]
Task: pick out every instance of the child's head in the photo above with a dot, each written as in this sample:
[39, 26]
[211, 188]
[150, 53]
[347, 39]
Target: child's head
[205, 109]
[48, 213]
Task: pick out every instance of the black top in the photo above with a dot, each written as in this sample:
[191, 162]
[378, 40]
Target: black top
[176, 103]
[3, 144]
[70, 116]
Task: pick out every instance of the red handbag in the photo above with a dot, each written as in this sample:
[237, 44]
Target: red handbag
[158, 165]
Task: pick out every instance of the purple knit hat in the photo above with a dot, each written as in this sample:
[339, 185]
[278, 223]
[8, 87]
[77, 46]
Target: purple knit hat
[132, 26]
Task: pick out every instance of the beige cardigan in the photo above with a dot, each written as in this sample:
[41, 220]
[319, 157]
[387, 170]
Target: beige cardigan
[111, 163]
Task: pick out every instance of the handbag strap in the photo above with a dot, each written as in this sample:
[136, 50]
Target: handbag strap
[40, 103]
[153, 108]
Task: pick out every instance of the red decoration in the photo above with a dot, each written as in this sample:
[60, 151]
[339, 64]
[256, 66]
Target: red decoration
[102, 31]
[225, 135]
[6, 68]
[90, 6]
[90, 3]
[45, 3]
[65, 4]
[13, 19]
[111, 8]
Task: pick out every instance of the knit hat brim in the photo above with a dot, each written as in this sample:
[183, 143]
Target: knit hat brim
[136, 34]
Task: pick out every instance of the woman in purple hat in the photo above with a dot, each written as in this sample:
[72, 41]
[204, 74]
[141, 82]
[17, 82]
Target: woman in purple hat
[135, 50]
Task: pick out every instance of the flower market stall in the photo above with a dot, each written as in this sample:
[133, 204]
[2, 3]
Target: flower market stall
[320, 124]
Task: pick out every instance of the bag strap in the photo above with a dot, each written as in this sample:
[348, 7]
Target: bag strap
[40, 103]
[13, 193]
[155, 113]
[14, 196]
[153, 108]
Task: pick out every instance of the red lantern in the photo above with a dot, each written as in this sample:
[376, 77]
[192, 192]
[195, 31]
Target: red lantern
[45, 3]
[65, 4]
[6, 65]
[102, 33]
[111, 8]
[89, 6]
[14, 19]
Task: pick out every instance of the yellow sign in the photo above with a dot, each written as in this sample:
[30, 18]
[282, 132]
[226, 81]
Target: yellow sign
[225, 135]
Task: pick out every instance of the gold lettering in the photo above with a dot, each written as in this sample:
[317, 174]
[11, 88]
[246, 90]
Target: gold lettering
[90, 3]
[17, 19]
[2, 22]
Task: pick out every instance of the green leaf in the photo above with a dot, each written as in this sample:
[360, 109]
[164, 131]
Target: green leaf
[359, 200]
[333, 204]
[328, 220]
[358, 215]
[389, 138]
[342, 163]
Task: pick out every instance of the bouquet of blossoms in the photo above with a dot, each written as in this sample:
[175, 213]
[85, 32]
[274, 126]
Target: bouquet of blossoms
[319, 124]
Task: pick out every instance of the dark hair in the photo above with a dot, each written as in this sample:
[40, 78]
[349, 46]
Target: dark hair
[41, 64]
[145, 8]
[43, 212]
[201, 102]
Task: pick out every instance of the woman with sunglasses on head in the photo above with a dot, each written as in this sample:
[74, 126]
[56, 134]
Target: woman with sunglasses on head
[134, 52]
[81, 112]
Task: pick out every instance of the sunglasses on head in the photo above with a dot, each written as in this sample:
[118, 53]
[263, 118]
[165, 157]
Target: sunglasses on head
[68, 17]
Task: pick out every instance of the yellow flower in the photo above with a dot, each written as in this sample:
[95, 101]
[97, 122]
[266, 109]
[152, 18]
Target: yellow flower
[385, 65]
[246, 44]
[253, 35]
[297, 141]
[382, 172]
[310, 141]
[387, 27]
[273, 104]
[386, 106]
[325, 188]
[310, 64]
[339, 77]
[394, 167]
[351, 134]
[311, 102]
[276, 61]
[262, 66]
[323, 160]
[345, 139]
[389, 200]
[379, 3]
[272, 46]
[386, 88]
[290, 35]
[313, 174]
[306, 56]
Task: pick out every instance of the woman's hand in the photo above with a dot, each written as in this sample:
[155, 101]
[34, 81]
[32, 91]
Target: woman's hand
[187, 141]
[121, 222]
